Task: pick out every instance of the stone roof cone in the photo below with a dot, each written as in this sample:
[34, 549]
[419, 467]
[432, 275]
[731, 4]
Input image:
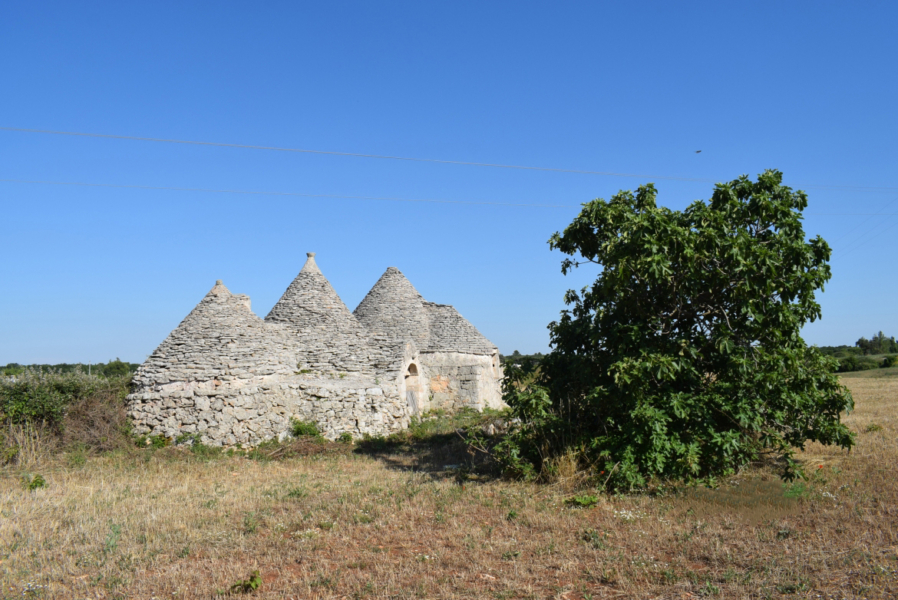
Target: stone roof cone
[220, 337]
[329, 336]
[451, 332]
[394, 308]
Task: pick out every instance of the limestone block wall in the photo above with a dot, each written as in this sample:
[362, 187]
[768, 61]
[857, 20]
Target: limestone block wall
[454, 381]
[249, 411]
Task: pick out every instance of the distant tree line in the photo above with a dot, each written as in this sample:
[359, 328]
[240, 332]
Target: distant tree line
[878, 352]
[113, 368]
[530, 361]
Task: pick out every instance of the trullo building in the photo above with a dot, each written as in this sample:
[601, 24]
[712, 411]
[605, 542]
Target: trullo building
[233, 378]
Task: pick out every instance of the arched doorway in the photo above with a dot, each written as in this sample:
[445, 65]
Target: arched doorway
[412, 388]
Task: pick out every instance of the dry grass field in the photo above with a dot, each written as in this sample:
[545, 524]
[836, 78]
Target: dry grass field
[171, 524]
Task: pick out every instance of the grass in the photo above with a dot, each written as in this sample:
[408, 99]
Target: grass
[873, 373]
[395, 520]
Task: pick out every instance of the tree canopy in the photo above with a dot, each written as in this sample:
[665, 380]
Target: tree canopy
[684, 358]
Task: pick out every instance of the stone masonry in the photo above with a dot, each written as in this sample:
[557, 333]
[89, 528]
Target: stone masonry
[231, 378]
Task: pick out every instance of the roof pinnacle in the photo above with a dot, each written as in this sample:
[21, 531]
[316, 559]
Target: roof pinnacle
[310, 266]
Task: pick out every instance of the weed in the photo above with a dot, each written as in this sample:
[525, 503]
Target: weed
[325, 581]
[594, 538]
[250, 523]
[512, 515]
[158, 441]
[582, 501]
[345, 438]
[297, 493]
[511, 554]
[33, 482]
[111, 543]
[793, 587]
[187, 439]
[796, 490]
[873, 427]
[248, 585]
[710, 589]
[76, 458]
[303, 428]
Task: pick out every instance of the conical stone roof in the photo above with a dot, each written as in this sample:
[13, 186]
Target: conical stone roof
[220, 338]
[395, 309]
[328, 336]
[451, 332]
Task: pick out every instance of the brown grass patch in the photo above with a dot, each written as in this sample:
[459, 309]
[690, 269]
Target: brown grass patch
[166, 524]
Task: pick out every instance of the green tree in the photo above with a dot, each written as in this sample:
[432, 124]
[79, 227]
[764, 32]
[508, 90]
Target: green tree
[116, 368]
[683, 359]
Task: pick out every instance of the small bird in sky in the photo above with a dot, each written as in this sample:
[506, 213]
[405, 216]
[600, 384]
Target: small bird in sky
[698, 151]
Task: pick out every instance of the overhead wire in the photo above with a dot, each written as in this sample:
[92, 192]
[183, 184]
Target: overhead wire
[869, 239]
[410, 158]
[342, 196]
[277, 193]
[878, 213]
[868, 236]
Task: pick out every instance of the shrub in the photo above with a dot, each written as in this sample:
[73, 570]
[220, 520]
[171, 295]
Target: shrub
[33, 482]
[303, 428]
[43, 411]
[683, 359]
[98, 421]
[42, 396]
[855, 363]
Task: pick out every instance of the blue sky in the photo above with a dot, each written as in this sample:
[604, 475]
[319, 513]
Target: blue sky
[92, 273]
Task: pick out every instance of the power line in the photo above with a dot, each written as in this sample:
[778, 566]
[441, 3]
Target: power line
[870, 238]
[878, 213]
[346, 197]
[269, 193]
[413, 159]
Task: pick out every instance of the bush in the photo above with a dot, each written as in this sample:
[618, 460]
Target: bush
[42, 397]
[683, 359]
[99, 421]
[890, 361]
[44, 411]
[855, 363]
[304, 428]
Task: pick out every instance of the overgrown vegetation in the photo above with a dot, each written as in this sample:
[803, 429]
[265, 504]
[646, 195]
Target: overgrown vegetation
[45, 411]
[683, 360]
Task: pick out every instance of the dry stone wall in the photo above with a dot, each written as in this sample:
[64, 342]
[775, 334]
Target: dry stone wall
[247, 412]
[456, 381]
